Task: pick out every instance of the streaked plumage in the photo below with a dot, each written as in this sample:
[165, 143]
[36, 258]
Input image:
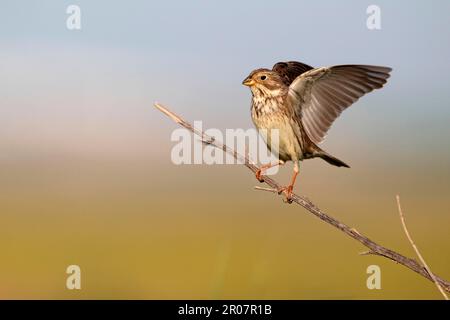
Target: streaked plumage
[302, 102]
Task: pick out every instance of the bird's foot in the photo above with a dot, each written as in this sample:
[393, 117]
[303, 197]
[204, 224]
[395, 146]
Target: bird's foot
[288, 193]
[258, 175]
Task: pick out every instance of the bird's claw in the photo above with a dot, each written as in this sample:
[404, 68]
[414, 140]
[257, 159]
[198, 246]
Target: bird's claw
[288, 193]
[258, 176]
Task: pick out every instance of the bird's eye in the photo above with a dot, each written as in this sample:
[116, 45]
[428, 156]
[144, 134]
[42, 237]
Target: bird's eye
[263, 77]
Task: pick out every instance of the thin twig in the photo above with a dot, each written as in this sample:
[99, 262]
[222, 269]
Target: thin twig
[402, 218]
[374, 247]
[266, 189]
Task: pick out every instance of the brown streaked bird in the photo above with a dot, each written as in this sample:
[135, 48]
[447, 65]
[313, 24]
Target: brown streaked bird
[302, 102]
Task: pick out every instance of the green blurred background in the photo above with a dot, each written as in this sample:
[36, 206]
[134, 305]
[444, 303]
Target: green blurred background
[85, 170]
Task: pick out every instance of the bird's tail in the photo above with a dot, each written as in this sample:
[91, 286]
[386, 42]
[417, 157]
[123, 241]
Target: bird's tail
[331, 160]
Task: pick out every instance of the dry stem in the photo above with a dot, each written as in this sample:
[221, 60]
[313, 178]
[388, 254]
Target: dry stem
[375, 248]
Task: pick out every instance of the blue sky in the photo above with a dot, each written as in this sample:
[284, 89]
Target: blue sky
[193, 56]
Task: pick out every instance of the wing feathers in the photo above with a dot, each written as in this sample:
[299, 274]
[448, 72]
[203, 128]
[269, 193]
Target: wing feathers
[290, 70]
[320, 95]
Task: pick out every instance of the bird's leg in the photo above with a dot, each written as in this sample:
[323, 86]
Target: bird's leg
[288, 190]
[266, 167]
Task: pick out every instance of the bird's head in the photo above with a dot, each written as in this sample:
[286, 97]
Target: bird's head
[265, 82]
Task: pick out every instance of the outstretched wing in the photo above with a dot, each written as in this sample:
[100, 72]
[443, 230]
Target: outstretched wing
[318, 96]
[290, 70]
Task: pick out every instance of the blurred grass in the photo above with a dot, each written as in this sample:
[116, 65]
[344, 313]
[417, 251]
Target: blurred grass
[156, 231]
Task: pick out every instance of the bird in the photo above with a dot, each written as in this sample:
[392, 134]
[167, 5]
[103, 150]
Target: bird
[302, 102]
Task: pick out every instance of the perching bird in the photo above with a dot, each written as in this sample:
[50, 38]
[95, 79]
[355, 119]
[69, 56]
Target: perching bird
[302, 102]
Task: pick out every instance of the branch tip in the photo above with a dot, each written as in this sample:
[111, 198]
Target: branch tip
[422, 260]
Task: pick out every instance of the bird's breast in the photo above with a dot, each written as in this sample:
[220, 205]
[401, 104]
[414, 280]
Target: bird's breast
[269, 115]
[262, 105]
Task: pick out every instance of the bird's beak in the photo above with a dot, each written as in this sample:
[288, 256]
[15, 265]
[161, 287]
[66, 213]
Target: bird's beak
[248, 82]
